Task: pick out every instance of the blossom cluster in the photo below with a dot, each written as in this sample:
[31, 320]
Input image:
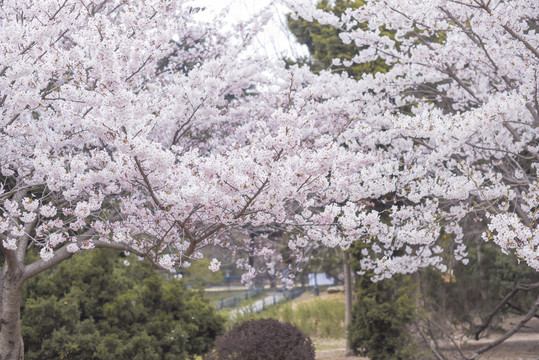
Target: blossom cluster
[135, 126]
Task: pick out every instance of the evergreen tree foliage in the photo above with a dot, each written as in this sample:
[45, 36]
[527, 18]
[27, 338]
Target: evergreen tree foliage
[93, 306]
[324, 43]
[382, 315]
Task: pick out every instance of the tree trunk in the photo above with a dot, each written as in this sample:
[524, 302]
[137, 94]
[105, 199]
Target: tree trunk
[11, 344]
[347, 301]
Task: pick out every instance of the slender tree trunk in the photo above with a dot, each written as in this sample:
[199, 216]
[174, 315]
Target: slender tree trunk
[347, 301]
[482, 289]
[11, 344]
[12, 277]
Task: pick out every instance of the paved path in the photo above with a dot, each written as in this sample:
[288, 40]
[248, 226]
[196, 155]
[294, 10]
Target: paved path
[259, 305]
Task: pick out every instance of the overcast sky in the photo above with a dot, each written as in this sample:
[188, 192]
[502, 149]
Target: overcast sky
[276, 41]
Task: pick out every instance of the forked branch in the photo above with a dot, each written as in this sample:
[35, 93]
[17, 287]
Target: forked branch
[519, 287]
[516, 328]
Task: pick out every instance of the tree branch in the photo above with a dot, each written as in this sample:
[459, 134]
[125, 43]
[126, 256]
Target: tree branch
[148, 185]
[140, 68]
[57, 11]
[432, 348]
[177, 134]
[510, 333]
[516, 289]
[59, 255]
[449, 71]
[62, 254]
[522, 40]
[23, 241]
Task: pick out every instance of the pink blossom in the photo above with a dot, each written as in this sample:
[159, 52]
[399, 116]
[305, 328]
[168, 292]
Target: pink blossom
[72, 248]
[214, 265]
[10, 243]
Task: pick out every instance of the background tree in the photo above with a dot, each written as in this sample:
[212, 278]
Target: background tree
[325, 44]
[382, 317]
[469, 180]
[102, 305]
[469, 294]
[485, 283]
[383, 312]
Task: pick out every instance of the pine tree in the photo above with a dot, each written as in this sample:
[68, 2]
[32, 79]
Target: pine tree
[324, 43]
[94, 306]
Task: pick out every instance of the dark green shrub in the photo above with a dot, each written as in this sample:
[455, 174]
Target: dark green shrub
[264, 339]
[383, 314]
[93, 307]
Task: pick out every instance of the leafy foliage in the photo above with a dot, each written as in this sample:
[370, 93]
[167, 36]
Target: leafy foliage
[199, 276]
[263, 339]
[324, 43]
[95, 307]
[381, 317]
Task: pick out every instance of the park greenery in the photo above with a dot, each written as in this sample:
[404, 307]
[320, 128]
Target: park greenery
[140, 127]
[96, 306]
[198, 276]
[317, 317]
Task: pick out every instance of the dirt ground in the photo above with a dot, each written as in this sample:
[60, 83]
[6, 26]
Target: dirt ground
[524, 345]
[337, 351]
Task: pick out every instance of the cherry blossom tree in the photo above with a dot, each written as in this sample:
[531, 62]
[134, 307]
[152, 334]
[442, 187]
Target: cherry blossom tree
[135, 126]
[453, 124]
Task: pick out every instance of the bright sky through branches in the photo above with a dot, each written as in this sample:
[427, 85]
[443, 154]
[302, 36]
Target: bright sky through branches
[275, 41]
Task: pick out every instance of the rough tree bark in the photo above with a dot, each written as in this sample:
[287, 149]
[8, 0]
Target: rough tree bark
[11, 344]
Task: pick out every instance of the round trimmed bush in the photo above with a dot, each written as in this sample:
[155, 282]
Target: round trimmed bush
[266, 339]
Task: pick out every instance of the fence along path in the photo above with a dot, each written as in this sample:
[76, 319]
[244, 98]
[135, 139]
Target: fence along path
[271, 299]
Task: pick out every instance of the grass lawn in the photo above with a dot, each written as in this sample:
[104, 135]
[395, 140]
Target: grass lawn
[318, 317]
